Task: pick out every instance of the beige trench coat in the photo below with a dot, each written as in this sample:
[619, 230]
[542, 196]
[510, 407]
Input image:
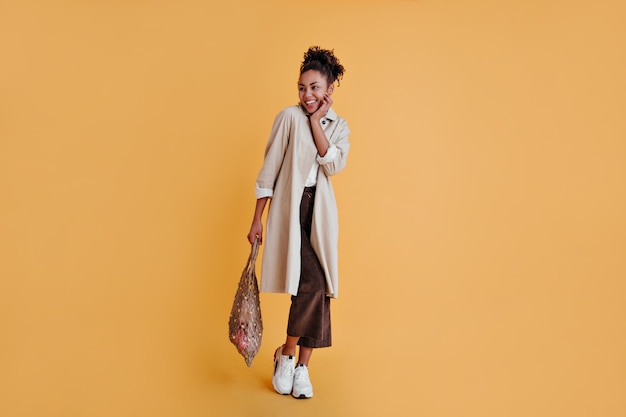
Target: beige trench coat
[289, 157]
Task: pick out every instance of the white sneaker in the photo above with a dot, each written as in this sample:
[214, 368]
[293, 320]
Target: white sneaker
[283, 372]
[302, 387]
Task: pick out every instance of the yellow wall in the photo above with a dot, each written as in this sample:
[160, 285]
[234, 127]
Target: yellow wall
[482, 211]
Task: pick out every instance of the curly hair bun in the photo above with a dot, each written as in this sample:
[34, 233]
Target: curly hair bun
[324, 61]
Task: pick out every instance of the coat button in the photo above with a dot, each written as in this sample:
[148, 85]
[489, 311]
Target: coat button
[323, 122]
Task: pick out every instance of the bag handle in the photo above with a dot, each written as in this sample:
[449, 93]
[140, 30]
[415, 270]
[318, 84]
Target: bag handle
[254, 251]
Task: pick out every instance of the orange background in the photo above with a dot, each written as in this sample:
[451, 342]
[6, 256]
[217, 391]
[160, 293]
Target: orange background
[483, 235]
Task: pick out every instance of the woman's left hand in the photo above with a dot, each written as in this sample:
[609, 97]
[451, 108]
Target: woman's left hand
[327, 102]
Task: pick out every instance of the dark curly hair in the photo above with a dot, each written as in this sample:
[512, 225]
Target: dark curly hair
[324, 61]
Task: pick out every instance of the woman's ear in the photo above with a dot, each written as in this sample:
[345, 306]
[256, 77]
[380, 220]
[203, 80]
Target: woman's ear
[331, 88]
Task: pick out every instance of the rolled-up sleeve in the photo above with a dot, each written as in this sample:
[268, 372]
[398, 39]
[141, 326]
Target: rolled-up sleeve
[331, 153]
[262, 192]
[335, 159]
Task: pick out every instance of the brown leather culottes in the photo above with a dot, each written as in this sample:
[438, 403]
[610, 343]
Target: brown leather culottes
[309, 315]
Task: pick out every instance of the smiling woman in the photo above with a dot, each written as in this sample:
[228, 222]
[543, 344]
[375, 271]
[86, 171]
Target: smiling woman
[307, 145]
[482, 223]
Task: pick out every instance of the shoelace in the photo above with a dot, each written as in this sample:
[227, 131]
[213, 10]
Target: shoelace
[302, 375]
[284, 368]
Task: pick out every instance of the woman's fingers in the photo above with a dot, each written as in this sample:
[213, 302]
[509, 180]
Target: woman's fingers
[329, 100]
[256, 231]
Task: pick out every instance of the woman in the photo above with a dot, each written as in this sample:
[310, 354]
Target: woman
[307, 145]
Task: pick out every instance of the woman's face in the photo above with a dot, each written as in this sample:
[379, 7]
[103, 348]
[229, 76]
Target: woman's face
[311, 89]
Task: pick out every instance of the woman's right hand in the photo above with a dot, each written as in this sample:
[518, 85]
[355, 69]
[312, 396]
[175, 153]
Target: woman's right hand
[256, 230]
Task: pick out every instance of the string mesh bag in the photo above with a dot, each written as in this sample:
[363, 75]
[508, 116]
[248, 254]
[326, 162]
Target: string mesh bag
[245, 325]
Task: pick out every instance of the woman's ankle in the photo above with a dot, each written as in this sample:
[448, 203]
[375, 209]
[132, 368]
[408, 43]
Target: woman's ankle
[288, 351]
